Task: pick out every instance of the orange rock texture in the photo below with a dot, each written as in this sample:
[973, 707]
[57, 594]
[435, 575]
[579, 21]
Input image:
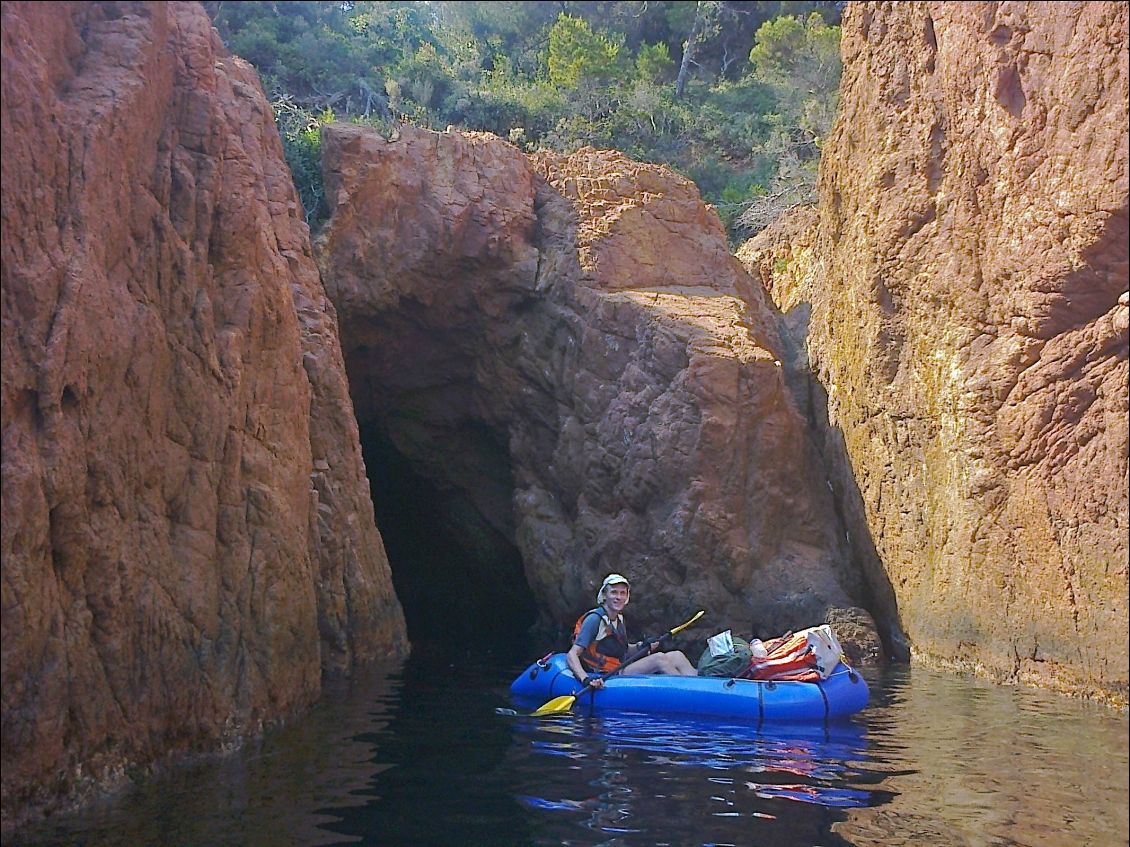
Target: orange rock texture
[569, 340]
[961, 296]
[188, 539]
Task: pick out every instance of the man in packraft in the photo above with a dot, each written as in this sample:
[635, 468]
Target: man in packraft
[601, 645]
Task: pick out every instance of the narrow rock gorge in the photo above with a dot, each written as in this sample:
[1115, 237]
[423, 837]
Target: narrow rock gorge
[188, 539]
[959, 301]
[903, 412]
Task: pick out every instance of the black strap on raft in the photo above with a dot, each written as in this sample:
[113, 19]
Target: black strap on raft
[591, 692]
[552, 680]
[824, 694]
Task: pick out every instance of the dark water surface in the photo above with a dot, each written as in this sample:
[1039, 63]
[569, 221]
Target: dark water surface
[418, 755]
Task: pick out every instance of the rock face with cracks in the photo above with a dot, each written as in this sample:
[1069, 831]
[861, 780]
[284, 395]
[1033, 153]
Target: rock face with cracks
[961, 296]
[188, 540]
[568, 341]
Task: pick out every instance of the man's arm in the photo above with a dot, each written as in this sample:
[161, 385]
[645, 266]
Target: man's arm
[573, 657]
[573, 660]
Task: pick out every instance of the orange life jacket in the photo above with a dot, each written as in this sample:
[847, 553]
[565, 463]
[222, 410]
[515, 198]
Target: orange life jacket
[607, 650]
[789, 659]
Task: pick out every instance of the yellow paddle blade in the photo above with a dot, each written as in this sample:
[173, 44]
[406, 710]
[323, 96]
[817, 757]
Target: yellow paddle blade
[681, 627]
[556, 706]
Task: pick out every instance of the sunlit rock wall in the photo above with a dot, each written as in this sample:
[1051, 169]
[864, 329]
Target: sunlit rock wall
[188, 540]
[965, 314]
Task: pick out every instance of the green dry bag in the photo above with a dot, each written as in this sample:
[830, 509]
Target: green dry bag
[728, 664]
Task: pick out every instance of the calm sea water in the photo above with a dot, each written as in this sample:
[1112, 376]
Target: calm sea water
[418, 755]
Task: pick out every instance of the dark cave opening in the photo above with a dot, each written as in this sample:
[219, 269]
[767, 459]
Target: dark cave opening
[447, 588]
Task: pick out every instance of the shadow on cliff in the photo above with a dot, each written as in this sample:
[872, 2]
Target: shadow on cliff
[812, 398]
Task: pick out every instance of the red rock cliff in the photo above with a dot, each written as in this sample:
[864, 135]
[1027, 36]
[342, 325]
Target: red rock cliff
[188, 539]
[966, 280]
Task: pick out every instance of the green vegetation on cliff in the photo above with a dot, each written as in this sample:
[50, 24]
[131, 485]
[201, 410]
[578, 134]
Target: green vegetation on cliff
[735, 95]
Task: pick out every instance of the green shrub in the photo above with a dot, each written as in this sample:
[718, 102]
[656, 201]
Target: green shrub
[577, 53]
[654, 63]
[301, 134]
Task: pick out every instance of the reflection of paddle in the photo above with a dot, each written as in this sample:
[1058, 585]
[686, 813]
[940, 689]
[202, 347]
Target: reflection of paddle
[565, 702]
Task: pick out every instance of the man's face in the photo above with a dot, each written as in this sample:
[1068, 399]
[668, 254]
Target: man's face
[617, 595]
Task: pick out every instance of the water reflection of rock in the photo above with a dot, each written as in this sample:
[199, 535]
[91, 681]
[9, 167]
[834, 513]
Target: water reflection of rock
[281, 790]
[447, 780]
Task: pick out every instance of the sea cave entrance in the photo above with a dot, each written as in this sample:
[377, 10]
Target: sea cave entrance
[457, 576]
